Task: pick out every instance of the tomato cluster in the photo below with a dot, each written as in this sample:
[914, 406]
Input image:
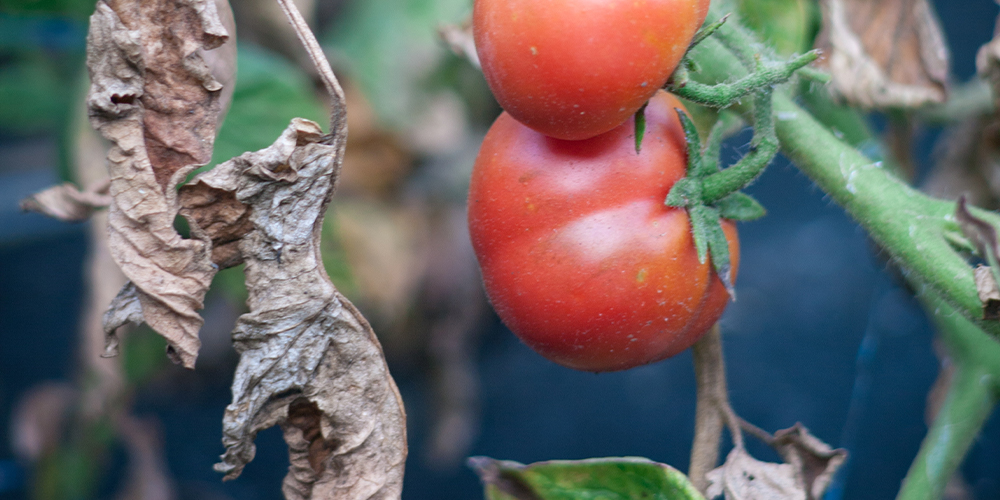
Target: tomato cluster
[580, 257]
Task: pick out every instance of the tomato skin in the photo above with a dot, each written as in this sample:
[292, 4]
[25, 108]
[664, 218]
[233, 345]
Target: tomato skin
[580, 257]
[573, 69]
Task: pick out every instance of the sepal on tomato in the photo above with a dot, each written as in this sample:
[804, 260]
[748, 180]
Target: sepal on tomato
[740, 206]
[706, 225]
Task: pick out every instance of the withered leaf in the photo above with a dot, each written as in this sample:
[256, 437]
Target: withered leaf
[885, 53]
[815, 461]
[155, 99]
[743, 477]
[68, 203]
[308, 360]
[988, 61]
[983, 236]
[989, 293]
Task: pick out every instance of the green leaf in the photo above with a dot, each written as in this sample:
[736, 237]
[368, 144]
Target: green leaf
[718, 246]
[269, 92]
[391, 48]
[76, 9]
[640, 127]
[33, 94]
[143, 355]
[593, 479]
[740, 206]
[789, 25]
[693, 142]
[702, 218]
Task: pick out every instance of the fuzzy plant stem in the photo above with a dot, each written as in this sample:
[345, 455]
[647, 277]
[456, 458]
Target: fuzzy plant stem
[911, 226]
[970, 401]
[763, 147]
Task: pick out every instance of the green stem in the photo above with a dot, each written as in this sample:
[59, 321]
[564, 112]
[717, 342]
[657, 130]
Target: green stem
[971, 398]
[763, 147]
[722, 95]
[908, 224]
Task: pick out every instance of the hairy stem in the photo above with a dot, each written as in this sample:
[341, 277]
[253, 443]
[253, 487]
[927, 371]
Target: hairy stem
[908, 224]
[763, 147]
[971, 397]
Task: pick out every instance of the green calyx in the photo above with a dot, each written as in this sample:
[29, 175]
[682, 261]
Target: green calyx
[707, 192]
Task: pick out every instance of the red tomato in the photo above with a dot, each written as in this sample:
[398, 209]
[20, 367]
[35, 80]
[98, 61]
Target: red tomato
[573, 69]
[580, 257]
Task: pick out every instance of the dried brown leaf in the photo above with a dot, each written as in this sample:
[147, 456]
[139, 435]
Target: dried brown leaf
[980, 232]
[308, 360]
[155, 98]
[968, 162]
[67, 203]
[220, 217]
[988, 61]
[885, 53]
[989, 293]
[815, 461]
[744, 478]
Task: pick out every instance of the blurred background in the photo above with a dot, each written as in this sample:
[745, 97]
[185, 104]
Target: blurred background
[823, 333]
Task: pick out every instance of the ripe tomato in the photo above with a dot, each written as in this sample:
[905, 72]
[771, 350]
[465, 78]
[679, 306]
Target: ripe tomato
[574, 69]
[580, 257]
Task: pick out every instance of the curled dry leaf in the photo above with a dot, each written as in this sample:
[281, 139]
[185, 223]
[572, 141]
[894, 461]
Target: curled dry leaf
[153, 96]
[969, 159]
[885, 53]
[743, 477]
[982, 235]
[988, 61]
[68, 203]
[968, 162]
[308, 360]
[989, 293]
[815, 461]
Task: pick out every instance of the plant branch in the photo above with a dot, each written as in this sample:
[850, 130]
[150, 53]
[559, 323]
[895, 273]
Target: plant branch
[338, 113]
[763, 147]
[712, 411]
[908, 224]
[970, 400]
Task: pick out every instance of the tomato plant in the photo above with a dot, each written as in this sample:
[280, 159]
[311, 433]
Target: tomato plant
[574, 69]
[579, 254]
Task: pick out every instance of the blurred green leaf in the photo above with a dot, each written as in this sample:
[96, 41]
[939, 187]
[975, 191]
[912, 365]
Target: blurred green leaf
[334, 257]
[391, 48]
[77, 9]
[789, 25]
[33, 96]
[231, 282]
[593, 479]
[269, 92]
[143, 355]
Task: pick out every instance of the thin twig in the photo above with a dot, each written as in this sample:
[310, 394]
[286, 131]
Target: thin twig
[757, 432]
[338, 114]
[712, 410]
